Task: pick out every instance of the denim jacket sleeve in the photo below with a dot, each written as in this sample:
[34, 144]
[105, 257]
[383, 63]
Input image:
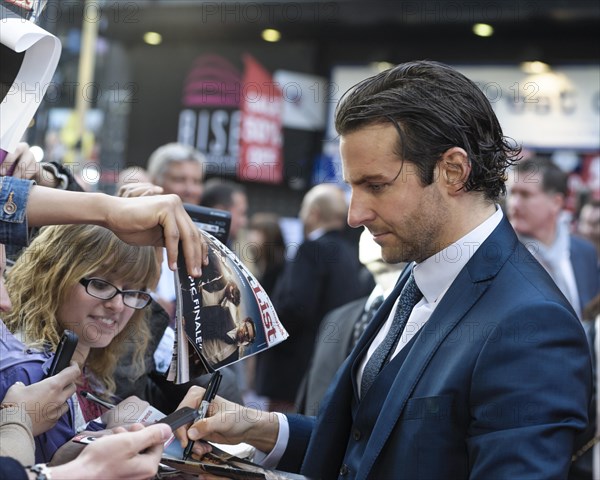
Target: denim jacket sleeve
[14, 193]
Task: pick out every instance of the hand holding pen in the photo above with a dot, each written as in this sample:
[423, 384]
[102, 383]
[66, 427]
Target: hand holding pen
[209, 395]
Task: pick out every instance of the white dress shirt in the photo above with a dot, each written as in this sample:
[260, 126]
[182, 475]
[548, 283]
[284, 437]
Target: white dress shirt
[433, 276]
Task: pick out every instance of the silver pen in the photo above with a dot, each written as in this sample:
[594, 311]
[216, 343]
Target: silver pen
[99, 401]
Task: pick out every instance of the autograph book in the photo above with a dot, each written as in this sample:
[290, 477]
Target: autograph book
[221, 317]
[219, 463]
[233, 463]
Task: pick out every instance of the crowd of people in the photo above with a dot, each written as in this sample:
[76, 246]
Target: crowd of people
[456, 350]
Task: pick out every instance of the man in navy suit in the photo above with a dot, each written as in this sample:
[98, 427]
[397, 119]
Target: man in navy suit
[491, 377]
[537, 191]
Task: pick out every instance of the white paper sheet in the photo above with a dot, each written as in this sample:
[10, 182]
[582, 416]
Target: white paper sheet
[42, 51]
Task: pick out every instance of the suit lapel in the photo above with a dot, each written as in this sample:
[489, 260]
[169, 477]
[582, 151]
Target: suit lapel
[323, 459]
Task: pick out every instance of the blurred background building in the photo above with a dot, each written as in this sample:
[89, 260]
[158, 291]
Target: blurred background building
[253, 85]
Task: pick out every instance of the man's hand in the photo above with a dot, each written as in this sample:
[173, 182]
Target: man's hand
[228, 423]
[45, 401]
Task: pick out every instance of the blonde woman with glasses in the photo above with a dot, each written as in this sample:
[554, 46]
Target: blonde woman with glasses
[84, 279]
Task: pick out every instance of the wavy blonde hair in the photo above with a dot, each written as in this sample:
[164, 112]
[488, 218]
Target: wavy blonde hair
[45, 273]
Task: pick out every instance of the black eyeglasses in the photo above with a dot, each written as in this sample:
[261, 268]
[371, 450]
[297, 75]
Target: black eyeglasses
[96, 287]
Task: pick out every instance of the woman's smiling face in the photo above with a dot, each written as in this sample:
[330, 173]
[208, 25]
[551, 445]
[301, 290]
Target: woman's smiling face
[95, 321]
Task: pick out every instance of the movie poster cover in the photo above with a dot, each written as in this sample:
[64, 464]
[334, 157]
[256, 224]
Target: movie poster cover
[221, 317]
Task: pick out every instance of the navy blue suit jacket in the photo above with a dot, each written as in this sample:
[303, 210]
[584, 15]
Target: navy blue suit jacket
[497, 384]
[584, 260]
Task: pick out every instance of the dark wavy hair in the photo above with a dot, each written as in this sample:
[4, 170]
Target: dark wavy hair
[434, 108]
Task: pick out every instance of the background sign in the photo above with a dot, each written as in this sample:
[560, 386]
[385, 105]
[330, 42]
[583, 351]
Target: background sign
[261, 137]
[545, 112]
[554, 110]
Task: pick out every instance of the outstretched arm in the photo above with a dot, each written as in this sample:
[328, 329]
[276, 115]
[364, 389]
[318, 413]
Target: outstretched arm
[154, 220]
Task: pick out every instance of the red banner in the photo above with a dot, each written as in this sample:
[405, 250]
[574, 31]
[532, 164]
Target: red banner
[261, 138]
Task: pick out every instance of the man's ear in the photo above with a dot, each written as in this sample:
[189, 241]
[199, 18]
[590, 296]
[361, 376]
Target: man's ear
[454, 169]
[558, 201]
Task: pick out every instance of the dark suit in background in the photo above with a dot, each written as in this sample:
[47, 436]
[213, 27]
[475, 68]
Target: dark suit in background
[324, 275]
[535, 203]
[216, 322]
[332, 346]
[585, 267]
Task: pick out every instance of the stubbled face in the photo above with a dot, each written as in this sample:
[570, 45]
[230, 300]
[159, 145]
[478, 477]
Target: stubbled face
[96, 322]
[529, 208]
[408, 220]
[185, 180]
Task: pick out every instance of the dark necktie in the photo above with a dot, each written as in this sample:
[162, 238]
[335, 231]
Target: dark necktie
[365, 318]
[409, 297]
